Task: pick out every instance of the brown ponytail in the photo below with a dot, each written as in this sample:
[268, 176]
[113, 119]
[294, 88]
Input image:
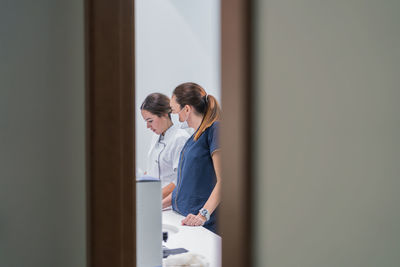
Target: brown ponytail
[194, 95]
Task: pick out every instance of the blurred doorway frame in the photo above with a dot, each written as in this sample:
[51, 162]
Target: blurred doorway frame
[110, 133]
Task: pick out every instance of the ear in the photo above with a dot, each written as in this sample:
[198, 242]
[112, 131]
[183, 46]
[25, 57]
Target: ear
[188, 108]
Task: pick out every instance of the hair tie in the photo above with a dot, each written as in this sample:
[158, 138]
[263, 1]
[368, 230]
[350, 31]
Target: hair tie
[206, 97]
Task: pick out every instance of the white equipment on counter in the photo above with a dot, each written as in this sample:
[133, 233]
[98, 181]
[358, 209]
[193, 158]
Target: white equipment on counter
[148, 222]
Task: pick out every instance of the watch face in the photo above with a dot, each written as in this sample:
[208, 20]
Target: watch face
[204, 213]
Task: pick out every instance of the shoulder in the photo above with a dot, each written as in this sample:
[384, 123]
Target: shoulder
[213, 132]
[182, 133]
[214, 128]
[179, 134]
[215, 125]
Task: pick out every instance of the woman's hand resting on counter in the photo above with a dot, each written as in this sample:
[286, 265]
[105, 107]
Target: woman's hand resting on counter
[194, 220]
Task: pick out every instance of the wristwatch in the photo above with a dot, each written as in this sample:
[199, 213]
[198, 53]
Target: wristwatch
[205, 213]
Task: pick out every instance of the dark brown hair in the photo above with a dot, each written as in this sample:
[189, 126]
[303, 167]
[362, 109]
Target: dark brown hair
[157, 104]
[194, 95]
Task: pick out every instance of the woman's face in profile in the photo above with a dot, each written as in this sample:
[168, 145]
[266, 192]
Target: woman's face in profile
[153, 122]
[176, 109]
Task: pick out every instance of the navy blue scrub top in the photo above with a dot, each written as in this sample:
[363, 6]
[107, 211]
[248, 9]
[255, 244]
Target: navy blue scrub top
[196, 175]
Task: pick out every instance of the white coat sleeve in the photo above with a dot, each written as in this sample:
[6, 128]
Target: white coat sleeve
[150, 159]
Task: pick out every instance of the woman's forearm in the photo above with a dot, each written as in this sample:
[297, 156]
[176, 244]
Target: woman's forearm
[167, 201]
[214, 199]
[167, 190]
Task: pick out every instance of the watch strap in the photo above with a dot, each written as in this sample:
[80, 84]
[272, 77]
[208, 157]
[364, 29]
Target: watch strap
[204, 212]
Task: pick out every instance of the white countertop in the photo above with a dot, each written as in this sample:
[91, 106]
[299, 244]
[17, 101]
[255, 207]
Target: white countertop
[195, 239]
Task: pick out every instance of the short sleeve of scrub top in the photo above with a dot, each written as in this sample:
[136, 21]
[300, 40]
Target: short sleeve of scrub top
[213, 138]
[196, 175]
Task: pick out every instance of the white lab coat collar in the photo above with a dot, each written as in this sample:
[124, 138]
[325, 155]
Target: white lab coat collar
[168, 133]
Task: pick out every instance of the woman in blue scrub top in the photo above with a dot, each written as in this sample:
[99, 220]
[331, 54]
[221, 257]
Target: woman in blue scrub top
[198, 189]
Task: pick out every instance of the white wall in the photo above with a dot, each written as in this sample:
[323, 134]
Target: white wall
[327, 133]
[42, 161]
[176, 41]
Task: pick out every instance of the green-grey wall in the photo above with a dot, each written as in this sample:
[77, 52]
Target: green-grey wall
[42, 161]
[327, 132]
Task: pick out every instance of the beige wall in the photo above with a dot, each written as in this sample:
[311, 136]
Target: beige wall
[42, 160]
[327, 133]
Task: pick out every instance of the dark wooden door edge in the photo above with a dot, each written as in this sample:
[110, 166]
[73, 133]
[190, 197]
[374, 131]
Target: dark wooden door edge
[235, 210]
[109, 38]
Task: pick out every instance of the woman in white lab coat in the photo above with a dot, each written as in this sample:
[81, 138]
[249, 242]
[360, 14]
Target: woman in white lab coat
[166, 146]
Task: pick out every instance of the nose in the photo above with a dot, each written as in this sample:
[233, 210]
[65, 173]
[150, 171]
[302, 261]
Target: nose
[148, 125]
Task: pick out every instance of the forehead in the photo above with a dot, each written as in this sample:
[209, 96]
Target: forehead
[173, 103]
[147, 115]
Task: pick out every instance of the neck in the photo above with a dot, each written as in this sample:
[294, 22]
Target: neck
[195, 121]
[169, 124]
